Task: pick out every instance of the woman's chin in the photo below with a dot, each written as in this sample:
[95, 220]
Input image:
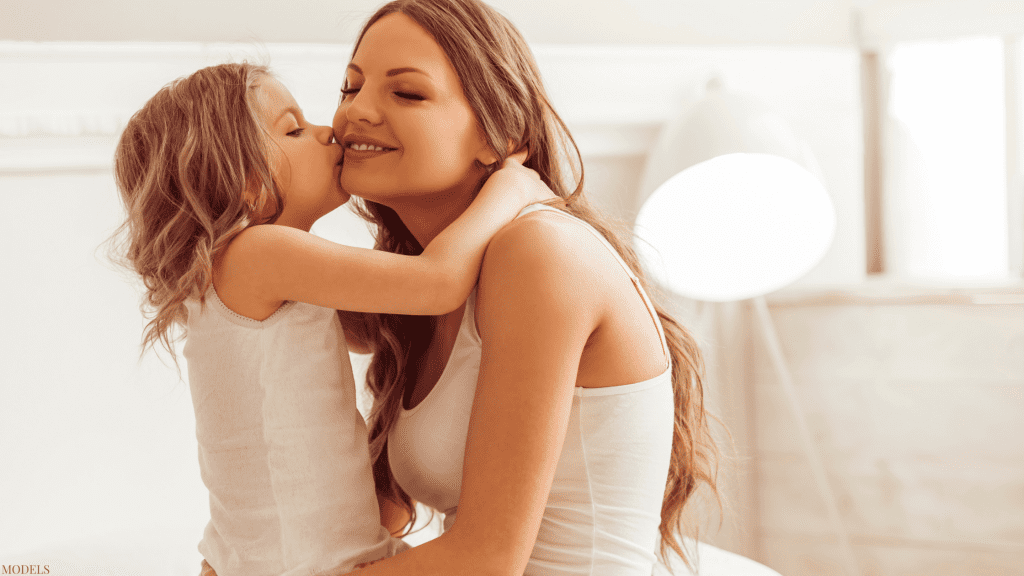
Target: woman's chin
[355, 187]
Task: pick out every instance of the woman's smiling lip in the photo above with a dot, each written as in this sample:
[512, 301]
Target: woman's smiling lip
[359, 147]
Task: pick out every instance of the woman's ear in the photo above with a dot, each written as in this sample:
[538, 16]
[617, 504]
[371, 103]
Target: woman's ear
[486, 156]
[513, 147]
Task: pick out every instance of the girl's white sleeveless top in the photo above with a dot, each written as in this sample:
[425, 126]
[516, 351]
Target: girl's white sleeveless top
[603, 512]
[282, 448]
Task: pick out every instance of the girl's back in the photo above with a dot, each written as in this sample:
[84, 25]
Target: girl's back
[282, 448]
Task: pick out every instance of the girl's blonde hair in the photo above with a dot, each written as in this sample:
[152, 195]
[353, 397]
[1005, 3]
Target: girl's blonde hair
[191, 167]
[504, 88]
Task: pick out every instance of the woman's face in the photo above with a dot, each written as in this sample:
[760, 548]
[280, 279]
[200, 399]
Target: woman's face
[405, 123]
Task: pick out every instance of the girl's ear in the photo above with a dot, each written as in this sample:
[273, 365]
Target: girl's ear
[256, 199]
[251, 194]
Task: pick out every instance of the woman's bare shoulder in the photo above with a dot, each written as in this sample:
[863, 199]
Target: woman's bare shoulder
[542, 238]
[537, 267]
[550, 254]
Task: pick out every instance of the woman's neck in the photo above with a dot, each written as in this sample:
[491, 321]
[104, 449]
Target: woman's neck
[428, 216]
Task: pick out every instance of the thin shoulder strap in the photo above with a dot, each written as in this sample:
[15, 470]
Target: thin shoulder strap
[636, 281]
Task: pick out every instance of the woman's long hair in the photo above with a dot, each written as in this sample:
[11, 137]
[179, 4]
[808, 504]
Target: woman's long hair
[503, 86]
[183, 165]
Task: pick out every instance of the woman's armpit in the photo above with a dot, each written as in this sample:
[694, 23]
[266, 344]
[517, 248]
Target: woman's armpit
[356, 326]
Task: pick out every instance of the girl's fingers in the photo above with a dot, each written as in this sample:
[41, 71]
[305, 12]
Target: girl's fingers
[519, 157]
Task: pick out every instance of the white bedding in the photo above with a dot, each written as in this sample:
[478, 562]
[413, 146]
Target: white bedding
[119, 557]
[712, 561]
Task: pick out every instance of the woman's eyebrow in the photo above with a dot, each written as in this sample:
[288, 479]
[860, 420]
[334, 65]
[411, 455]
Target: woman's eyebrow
[407, 69]
[392, 72]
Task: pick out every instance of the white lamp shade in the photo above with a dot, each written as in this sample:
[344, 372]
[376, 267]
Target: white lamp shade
[735, 227]
[721, 122]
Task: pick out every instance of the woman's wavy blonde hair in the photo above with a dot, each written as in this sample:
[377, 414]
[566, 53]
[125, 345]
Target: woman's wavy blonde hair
[504, 88]
[183, 166]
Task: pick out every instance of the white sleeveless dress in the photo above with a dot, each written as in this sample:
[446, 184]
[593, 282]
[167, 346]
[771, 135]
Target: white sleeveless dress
[282, 449]
[604, 509]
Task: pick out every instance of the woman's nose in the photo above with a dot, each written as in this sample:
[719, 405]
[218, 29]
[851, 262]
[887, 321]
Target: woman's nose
[362, 108]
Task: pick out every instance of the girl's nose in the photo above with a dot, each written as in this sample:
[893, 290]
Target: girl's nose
[324, 134]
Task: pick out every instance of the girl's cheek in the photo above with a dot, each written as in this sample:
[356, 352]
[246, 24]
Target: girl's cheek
[282, 173]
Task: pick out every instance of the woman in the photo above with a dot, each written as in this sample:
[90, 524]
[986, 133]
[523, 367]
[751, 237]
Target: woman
[551, 418]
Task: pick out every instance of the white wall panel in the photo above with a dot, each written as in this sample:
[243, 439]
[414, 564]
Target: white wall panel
[918, 411]
[747, 22]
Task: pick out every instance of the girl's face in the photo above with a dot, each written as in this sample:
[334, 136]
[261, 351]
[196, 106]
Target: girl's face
[405, 123]
[304, 156]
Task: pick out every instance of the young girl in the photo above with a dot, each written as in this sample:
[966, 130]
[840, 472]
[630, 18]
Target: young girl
[222, 177]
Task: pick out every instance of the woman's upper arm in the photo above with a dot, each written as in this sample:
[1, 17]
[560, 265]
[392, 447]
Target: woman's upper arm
[535, 316]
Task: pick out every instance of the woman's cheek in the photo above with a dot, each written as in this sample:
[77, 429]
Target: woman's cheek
[443, 175]
[338, 123]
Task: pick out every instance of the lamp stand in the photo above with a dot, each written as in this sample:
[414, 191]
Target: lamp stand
[771, 340]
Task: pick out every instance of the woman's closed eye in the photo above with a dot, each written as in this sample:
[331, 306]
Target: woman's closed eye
[297, 132]
[346, 92]
[409, 96]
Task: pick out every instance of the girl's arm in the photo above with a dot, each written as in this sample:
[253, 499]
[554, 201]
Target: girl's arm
[268, 264]
[533, 303]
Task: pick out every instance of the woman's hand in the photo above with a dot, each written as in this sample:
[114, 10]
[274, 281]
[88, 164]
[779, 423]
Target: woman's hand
[516, 178]
[393, 516]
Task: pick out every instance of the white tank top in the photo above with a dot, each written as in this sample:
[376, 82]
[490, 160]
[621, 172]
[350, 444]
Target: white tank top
[603, 512]
[282, 448]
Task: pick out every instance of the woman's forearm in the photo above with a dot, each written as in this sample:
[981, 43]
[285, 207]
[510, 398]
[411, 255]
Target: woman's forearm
[450, 554]
[393, 516]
